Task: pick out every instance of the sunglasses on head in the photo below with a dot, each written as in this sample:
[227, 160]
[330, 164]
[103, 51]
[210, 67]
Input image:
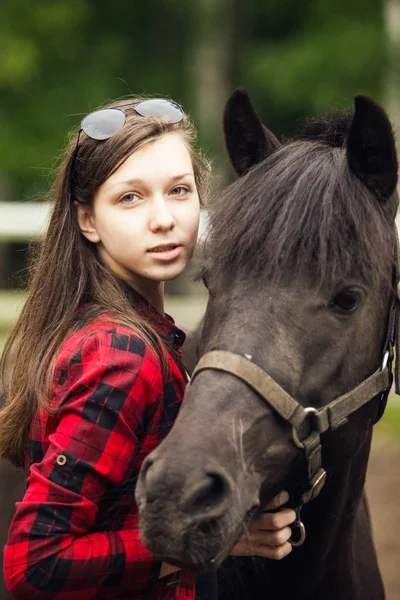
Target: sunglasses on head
[105, 122]
[102, 124]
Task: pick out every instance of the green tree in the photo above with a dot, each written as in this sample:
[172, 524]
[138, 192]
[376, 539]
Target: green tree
[61, 59]
[308, 57]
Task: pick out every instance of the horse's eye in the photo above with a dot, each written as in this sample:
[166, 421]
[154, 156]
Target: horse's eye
[345, 301]
[205, 281]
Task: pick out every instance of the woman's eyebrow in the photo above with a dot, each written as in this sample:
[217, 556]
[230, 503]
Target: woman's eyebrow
[138, 181]
[176, 177]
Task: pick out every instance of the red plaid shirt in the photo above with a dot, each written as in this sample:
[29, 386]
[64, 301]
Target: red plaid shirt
[75, 534]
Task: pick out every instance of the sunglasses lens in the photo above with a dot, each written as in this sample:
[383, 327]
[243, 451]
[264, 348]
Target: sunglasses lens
[102, 124]
[159, 107]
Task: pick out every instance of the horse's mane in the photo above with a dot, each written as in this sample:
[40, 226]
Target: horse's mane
[332, 129]
[302, 212]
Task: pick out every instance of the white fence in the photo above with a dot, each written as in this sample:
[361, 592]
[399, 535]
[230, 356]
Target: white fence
[23, 221]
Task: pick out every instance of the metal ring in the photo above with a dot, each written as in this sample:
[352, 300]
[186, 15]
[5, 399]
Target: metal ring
[61, 460]
[385, 360]
[302, 538]
[299, 444]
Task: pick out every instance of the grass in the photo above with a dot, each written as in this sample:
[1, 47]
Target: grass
[10, 305]
[389, 425]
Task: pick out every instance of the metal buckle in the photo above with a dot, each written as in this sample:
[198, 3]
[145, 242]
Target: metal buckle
[388, 356]
[299, 444]
[302, 538]
[319, 482]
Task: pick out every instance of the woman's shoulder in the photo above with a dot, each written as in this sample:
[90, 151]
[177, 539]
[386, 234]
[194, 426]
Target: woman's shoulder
[104, 340]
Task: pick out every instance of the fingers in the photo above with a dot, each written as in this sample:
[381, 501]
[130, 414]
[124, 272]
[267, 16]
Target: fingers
[271, 538]
[263, 543]
[249, 546]
[276, 502]
[268, 536]
[275, 553]
[274, 521]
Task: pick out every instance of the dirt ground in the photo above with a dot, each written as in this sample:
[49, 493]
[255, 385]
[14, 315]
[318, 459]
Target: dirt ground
[383, 490]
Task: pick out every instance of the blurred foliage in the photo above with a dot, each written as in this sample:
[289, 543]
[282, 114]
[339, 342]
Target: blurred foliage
[312, 56]
[61, 59]
[64, 58]
[389, 425]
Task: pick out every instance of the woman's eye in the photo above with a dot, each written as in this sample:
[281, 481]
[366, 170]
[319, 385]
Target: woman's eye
[346, 301]
[180, 190]
[130, 198]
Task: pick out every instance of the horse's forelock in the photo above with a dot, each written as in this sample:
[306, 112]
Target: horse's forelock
[331, 130]
[299, 213]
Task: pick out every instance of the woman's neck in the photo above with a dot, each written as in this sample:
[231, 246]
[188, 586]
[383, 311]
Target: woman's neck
[149, 289]
[152, 291]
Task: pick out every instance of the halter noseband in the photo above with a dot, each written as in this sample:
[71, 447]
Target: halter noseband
[329, 417]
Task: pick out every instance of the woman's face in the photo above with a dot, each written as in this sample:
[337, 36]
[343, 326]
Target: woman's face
[145, 216]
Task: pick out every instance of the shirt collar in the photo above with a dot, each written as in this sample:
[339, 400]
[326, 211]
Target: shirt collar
[165, 326]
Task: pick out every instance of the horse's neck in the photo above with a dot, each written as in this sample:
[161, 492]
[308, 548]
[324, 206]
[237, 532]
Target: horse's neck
[189, 350]
[337, 505]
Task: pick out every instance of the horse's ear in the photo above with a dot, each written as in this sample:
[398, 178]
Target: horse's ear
[248, 141]
[371, 150]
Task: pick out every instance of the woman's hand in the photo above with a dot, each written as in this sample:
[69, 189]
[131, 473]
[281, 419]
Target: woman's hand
[167, 569]
[268, 536]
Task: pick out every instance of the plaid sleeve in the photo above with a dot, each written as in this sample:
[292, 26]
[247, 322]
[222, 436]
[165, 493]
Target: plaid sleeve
[52, 551]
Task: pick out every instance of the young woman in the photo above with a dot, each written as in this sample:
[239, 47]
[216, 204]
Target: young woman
[92, 372]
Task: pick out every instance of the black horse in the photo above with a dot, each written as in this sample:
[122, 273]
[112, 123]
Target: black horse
[299, 262]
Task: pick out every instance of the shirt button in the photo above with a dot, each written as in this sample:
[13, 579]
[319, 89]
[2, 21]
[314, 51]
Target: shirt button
[61, 460]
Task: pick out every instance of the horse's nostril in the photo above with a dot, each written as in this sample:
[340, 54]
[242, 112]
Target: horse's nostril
[147, 464]
[207, 494]
[208, 527]
[151, 480]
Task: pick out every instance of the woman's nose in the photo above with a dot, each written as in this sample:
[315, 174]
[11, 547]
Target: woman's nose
[161, 217]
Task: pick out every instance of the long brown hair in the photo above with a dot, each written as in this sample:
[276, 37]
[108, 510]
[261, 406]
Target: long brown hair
[67, 272]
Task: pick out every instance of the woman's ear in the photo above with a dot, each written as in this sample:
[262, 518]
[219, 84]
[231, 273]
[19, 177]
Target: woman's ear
[86, 224]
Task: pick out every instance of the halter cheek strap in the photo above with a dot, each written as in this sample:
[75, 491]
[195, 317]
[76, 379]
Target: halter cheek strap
[329, 417]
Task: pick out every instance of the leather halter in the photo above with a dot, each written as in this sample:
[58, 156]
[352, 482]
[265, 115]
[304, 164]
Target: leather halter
[329, 417]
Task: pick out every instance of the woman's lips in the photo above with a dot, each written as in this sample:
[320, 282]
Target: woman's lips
[165, 252]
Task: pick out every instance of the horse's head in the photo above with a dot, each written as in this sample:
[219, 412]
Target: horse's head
[299, 267]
